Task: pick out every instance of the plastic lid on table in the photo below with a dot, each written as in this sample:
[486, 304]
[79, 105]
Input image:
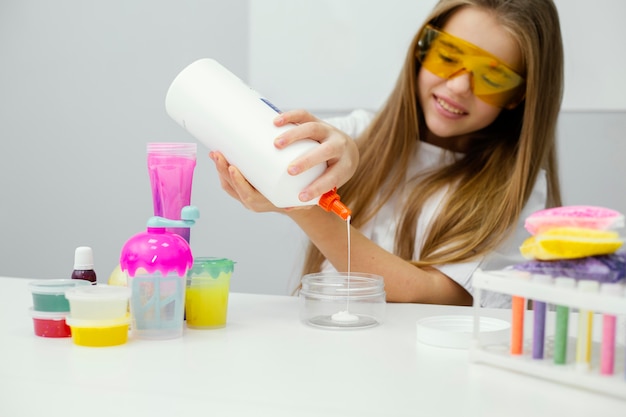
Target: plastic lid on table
[456, 331]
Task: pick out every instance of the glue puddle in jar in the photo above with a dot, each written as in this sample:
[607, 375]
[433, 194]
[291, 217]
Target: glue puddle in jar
[344, 316]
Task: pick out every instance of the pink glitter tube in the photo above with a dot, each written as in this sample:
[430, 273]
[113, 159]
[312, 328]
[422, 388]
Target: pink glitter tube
[171, 166]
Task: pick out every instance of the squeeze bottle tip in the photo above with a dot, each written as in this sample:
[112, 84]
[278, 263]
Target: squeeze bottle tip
[330, 201]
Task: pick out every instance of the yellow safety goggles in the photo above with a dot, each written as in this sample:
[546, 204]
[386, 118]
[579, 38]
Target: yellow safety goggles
[447, 56]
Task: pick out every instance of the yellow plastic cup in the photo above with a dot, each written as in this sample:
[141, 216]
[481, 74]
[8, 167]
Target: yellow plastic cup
[206, 295]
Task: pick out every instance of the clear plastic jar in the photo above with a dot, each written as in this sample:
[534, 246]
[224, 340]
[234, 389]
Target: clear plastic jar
[338, 300]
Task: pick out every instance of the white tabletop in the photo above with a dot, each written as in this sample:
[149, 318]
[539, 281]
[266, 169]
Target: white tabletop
[265, 362]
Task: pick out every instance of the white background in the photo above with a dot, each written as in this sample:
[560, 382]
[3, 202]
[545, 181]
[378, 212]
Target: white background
[82, 89]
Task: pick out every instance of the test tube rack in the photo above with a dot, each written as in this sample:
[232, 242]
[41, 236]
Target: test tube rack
[520, 284]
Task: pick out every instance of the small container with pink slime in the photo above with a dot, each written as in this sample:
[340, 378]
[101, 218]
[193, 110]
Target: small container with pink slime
[156, 264]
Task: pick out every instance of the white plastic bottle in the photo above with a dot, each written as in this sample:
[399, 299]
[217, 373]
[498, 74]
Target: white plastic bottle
[226, 115]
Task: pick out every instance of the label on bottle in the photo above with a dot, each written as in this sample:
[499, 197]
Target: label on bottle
[269, 103]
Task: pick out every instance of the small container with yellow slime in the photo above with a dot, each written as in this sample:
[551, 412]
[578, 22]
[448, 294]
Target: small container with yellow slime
[206, 296]
[99, 333]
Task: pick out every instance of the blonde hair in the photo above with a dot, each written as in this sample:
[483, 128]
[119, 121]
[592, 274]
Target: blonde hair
[492, 182]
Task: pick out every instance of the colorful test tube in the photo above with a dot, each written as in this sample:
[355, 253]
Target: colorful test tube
[585, 327]
[518, 309]
[562, 322]
[607, 350]
[539, 318]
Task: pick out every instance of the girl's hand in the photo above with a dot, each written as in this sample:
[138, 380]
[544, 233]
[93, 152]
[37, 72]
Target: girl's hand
[337, 150]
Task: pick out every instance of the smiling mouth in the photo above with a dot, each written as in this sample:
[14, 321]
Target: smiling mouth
[448, 107]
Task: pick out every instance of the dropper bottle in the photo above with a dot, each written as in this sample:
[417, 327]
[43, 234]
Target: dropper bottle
[331, 201]
[83, 264]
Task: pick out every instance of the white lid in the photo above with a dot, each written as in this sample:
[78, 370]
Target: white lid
[48, 315]
[457, 331]
[55, 286]
[85, 323]
[98, 292]
[83, 258]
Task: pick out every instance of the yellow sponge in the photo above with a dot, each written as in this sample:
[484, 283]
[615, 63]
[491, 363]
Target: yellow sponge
[570, 243]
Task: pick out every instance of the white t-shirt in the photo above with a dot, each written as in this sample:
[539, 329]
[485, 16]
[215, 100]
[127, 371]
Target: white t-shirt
[382, 228]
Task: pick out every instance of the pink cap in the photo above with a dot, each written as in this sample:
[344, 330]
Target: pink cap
[156, 251]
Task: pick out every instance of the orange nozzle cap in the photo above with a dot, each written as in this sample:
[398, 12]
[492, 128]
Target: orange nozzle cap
[330, 201]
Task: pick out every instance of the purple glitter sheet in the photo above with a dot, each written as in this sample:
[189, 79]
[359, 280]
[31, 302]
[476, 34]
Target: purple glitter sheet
[602, 268]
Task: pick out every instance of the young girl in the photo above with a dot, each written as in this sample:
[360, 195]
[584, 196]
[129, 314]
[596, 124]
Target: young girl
[461, 153]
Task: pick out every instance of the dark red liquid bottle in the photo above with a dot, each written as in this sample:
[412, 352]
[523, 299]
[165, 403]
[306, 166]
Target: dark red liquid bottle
[83, 265]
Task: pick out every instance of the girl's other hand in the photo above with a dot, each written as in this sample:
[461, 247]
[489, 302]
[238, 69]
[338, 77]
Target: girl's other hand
[238, 187]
